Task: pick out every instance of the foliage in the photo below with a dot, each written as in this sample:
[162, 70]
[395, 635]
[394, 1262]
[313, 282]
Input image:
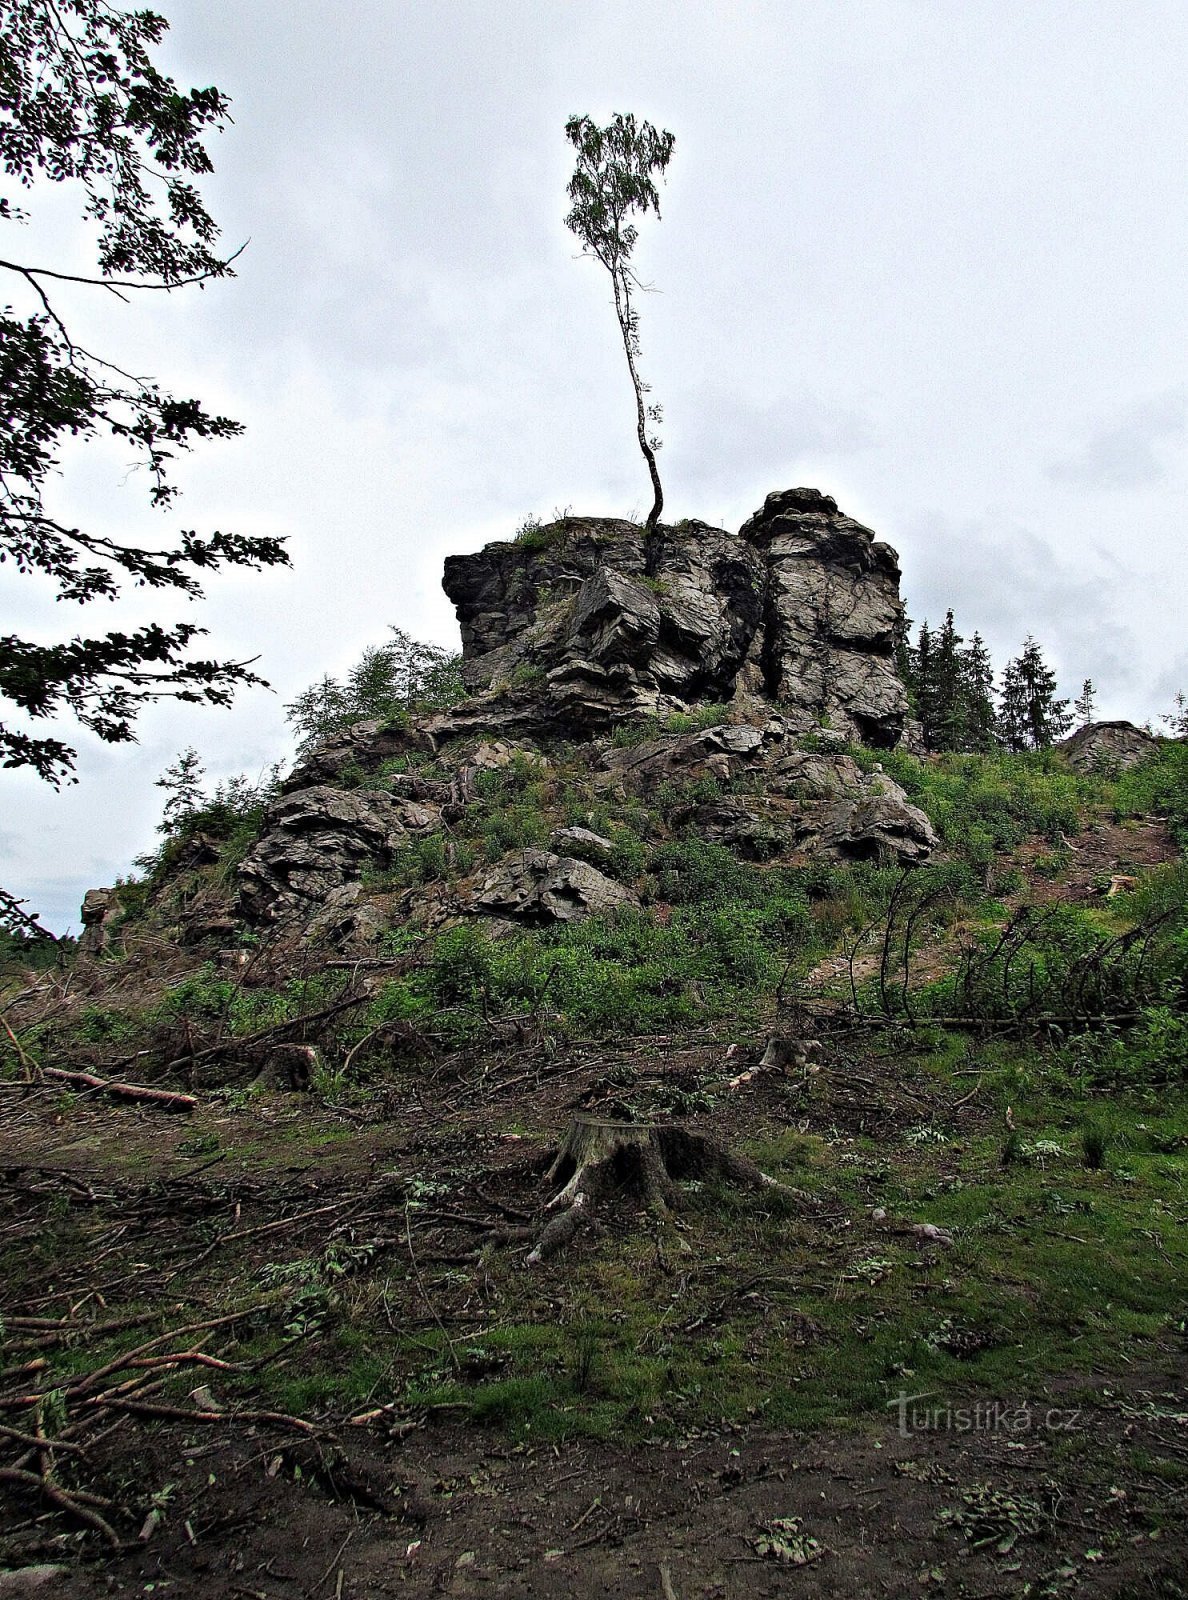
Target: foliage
[1157, 787]
[233, 811]
[982, 805]
[387, 682]
[20, 930]
[1030, 717]
[82, 103]
[613, 180]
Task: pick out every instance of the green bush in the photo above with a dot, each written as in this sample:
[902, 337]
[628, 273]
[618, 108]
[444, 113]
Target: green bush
[981, 805]
[1158, 787]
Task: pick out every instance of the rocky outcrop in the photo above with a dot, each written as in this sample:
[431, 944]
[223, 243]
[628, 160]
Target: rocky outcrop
[1107, 747]
[536, 886]
[586, 628]
[100, 908]
[832, 606]
[314, 846]
[799, 609]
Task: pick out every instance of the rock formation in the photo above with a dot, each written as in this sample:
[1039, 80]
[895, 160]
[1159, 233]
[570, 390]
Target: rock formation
[798, 609]
[757, 657]
[1107, 746]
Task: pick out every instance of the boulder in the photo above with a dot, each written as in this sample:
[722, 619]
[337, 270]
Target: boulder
[584, 843]
[879, 824]
[801, 608]
[537, 887]
[317, 841]
[1107, 747]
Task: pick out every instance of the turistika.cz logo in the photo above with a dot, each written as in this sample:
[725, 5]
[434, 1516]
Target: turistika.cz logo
[915, 1415]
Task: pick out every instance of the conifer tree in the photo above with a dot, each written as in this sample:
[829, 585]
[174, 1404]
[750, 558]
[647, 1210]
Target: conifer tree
[925, 675]
[949, 700]
[977, 672]
[1086, 702]
[1030, 715]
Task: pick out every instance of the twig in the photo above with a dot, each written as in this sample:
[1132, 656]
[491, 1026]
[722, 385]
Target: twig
[313, 1589]
[23, 1055]
[429, 1306]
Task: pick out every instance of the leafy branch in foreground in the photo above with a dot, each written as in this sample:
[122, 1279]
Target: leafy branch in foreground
[81, 102]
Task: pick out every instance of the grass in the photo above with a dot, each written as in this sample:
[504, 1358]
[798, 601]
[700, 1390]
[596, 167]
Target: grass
[803, 1315]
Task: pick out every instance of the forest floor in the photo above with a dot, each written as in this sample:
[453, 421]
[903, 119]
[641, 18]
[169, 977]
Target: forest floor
[293, 1356]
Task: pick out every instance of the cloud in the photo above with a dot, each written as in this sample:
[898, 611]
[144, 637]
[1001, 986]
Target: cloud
[1122, 453]
[725, 437]
[1007, 582]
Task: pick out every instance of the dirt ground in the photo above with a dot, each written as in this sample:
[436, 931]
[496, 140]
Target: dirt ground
[1040, 1495]
[686, 1517]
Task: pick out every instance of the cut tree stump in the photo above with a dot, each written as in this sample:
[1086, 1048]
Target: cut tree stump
[647, 1159]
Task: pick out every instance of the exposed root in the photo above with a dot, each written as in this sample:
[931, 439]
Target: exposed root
[644, 1159]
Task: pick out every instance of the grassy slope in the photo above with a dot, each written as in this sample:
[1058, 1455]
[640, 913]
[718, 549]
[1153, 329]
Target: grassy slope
[797, 1314]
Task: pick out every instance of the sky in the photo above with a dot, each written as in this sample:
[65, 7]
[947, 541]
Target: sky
[925, 255]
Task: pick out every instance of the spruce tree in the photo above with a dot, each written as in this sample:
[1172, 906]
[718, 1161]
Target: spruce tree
[949, 708]
[977, 673]
[1030, 715]
[1086, 702]
[1012, 709]
[925, 664]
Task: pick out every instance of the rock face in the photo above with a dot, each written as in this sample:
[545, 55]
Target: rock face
[1107, 746]
[799, 609]
[830, 617]
[314, 847]
[602, 626]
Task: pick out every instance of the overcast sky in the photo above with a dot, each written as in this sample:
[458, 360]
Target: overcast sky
[926, 255]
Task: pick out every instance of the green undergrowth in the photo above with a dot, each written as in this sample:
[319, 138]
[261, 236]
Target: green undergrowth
[806, 1311]
[812, 1312]
[985, 805]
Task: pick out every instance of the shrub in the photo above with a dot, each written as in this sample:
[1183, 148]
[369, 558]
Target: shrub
[1160, 787]
[388, 681]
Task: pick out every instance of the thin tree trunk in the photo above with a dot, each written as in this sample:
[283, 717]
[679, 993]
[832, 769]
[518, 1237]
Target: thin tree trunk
[623, 312]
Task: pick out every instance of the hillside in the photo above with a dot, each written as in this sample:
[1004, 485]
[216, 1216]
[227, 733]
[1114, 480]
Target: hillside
[865, 1071]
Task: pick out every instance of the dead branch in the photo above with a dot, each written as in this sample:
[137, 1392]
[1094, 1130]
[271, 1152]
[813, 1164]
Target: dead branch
[165, 1099]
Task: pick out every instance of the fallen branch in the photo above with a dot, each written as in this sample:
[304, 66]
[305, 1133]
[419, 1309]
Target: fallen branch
[276, 1031]
[59, 1497]
[166, 1099]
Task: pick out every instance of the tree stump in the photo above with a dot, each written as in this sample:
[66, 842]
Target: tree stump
[646, 1159]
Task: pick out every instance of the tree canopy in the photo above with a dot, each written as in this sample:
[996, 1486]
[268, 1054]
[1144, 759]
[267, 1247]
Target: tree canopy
[613, 180]
[82, 104]
[387, 682]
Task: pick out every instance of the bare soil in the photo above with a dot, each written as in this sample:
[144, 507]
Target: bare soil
[1041, 1496]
